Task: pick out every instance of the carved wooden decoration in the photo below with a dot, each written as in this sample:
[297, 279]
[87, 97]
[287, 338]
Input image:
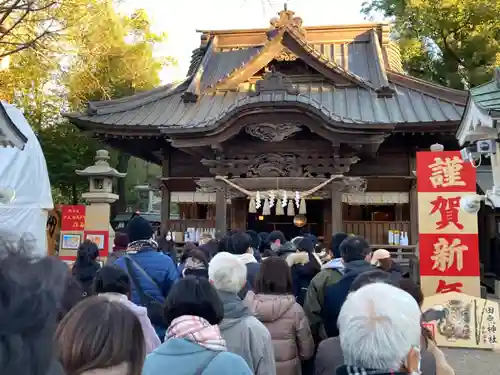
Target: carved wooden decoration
[272, 132]
[286, 55]
[274, 81]
[280, 165]
[286, 19]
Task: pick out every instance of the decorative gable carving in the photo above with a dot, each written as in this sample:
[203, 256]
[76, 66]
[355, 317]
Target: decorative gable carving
[272, 132]
[274, 81]
[286, 55]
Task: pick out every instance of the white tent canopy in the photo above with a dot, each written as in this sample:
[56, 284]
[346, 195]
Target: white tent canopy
[24, 172]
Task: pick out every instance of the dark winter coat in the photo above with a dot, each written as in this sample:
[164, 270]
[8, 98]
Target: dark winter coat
[85, 274]
[304, 267]
[336, 295]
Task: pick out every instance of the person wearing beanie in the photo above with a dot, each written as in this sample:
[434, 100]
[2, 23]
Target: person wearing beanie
[304, 266]
[152, 273]
[119, 249]
[330, 273]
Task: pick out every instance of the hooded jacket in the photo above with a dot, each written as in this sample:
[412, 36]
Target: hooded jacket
[246, 336]
[336, 294]
[289, 329]
[330, 273]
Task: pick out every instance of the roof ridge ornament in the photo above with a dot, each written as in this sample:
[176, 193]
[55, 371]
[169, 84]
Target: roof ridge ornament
[286, 19]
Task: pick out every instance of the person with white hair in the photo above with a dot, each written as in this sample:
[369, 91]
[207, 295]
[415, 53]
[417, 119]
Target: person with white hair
[244, 334]
[380, 332]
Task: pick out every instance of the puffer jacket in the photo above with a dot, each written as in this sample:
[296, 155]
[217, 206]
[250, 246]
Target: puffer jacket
[156, 275]
[289, 328]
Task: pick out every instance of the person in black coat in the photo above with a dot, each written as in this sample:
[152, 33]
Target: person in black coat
[356, 255]
[304, 266]
[86, 265]
[254, 236]
[240, 244]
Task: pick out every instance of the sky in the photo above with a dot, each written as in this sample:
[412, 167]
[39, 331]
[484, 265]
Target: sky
[181, 18]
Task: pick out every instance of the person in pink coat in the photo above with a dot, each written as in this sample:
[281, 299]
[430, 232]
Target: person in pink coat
[114, 283]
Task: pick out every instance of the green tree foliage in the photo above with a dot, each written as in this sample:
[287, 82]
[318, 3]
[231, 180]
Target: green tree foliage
[35, 24]
[452, 42]
[101, 55]
[114, 59]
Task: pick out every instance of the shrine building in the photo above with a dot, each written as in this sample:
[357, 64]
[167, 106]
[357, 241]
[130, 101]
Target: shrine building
[321, 121]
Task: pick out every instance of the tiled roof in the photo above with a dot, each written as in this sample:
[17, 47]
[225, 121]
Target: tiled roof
[371, 87]
[348, 105]
[487, 96]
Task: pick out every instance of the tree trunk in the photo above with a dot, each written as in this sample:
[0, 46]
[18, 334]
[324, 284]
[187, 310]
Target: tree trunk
[74, 195]
[121, 187]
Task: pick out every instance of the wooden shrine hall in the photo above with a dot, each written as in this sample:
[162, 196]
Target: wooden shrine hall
[321, 121]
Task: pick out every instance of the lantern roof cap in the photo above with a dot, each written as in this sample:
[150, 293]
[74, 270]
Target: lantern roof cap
[101, 167]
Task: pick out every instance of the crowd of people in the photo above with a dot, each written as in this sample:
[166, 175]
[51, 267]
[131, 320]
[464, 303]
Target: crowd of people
[241, 304]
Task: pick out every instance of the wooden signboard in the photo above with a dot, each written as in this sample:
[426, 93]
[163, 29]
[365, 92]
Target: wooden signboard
[448, 236]
[461, 321]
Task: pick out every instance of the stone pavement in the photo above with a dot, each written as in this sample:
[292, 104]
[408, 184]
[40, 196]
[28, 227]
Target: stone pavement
[472, 361]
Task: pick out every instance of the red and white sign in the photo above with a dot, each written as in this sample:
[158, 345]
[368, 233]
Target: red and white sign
[448, 236]
[73, 218]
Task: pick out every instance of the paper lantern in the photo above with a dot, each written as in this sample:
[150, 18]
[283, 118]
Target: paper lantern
[299, 221]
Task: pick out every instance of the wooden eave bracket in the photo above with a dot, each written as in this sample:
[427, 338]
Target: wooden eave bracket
[192, 93]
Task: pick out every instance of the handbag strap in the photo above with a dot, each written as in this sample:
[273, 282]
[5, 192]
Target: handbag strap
[202, 368]
[135, 280]
[144, 273]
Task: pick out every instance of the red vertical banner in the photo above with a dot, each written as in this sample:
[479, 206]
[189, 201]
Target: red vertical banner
[448, 236]
[73, 218]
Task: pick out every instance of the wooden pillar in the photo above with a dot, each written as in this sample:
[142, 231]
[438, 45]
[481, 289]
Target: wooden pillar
[239, 213]
[165, 192]
[220, 212]
[413, 202]
[337, 223]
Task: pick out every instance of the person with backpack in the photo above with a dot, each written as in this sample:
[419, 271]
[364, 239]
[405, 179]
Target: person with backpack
[330, 273]
[152, 273]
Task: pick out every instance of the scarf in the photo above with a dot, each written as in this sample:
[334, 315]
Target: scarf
[247, 258]
[194, 264]
[197, 330]
[353, 370]
[134, 247]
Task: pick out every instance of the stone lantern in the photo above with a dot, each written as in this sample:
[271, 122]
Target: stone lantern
[100, 194]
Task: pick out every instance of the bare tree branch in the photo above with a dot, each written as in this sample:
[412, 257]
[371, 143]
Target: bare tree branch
[28, 24]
